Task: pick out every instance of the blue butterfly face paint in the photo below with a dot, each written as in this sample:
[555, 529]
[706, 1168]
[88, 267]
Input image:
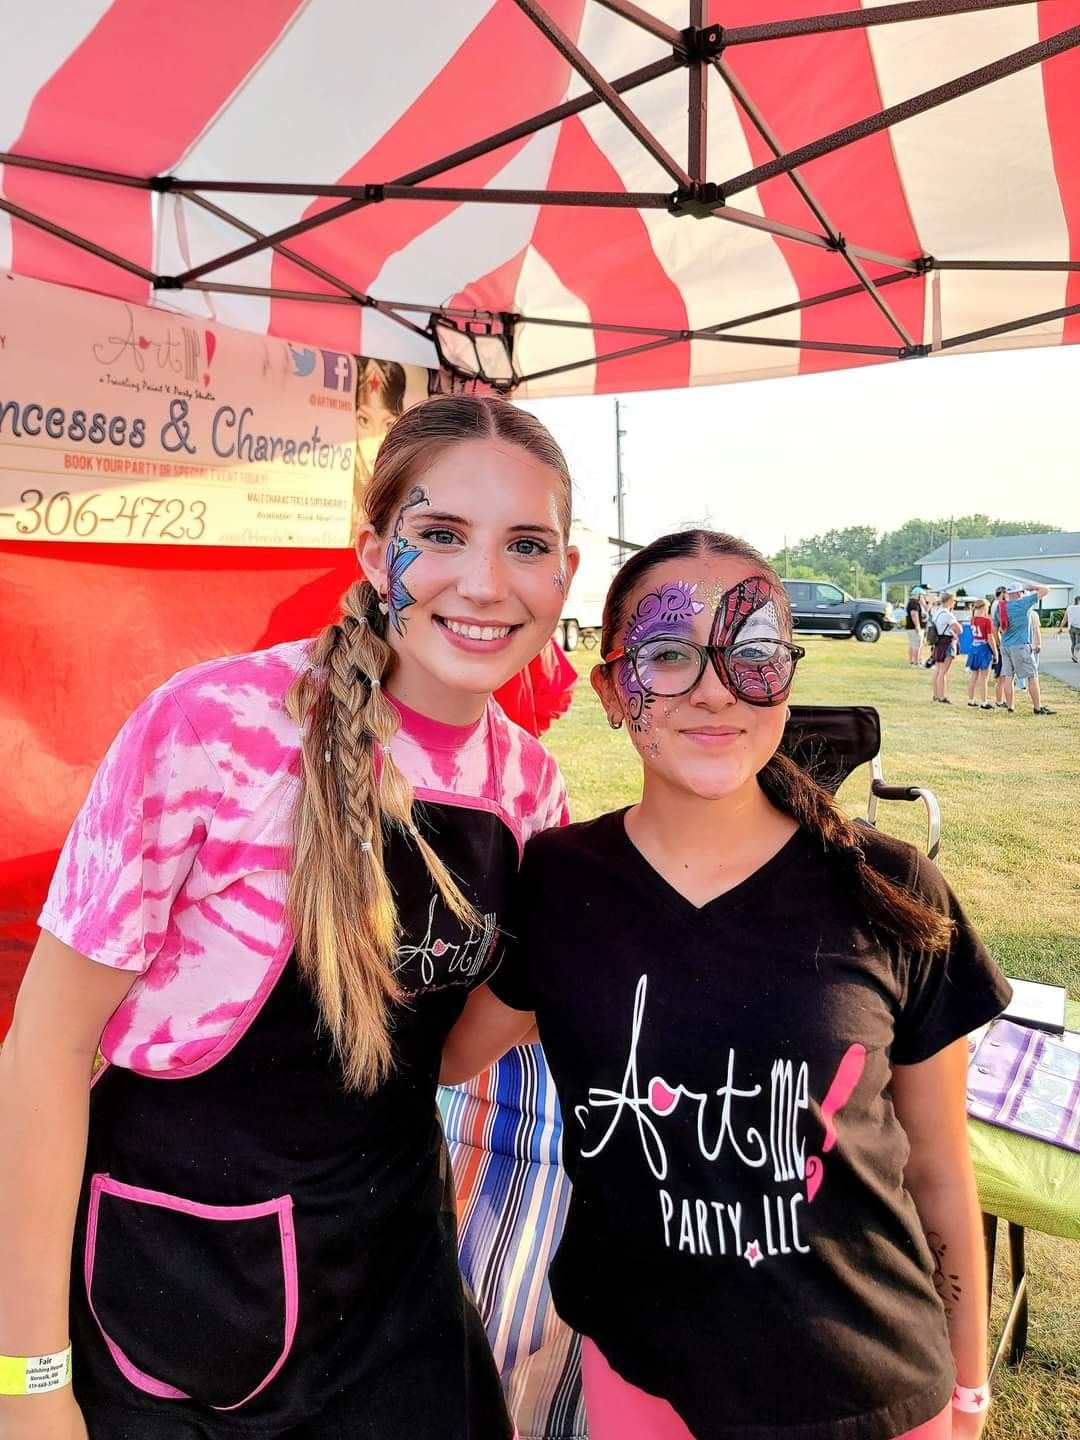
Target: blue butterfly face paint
[400, 554]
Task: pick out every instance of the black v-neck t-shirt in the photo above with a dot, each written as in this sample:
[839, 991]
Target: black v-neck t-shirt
[740, 1241]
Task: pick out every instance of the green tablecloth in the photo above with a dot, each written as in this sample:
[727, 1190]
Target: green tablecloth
[1025, 1180]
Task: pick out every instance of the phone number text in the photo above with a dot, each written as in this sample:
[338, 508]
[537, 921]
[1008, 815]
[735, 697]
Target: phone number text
[138, 517]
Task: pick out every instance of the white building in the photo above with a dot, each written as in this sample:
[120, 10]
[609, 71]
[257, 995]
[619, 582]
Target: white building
[980, 566]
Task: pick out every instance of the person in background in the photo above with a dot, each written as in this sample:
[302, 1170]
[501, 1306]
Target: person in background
[1071, 618]
[914, 622]
[1013, 629]
[982, 655]
[995, 668]
[1035, 636]
[948, 635]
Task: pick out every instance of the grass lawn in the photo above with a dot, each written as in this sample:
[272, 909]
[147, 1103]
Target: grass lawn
[1009, 788]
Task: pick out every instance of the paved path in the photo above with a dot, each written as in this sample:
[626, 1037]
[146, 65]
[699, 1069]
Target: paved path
[1056, 662]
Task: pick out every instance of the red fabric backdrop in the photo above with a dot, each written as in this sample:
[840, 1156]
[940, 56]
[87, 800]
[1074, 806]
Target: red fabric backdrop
[88, 630]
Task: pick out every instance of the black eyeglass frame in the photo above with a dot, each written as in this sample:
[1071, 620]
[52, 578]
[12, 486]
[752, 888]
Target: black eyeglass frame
[714, 654]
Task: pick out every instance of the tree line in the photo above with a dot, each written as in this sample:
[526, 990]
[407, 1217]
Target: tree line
[857, 557]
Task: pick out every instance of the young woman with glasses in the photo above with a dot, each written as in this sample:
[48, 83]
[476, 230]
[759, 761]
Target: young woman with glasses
[755, 1011]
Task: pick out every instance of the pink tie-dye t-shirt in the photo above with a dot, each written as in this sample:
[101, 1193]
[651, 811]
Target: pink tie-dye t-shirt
[176, 865]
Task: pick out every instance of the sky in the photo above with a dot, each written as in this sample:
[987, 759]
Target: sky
[995, 433]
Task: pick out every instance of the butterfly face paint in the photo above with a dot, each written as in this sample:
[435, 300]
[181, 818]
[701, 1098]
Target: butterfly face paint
[746, 630]
[400, 554]
[667, 611]
[661, 659]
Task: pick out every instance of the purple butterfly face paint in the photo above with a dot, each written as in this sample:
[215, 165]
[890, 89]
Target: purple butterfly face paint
[400, 554]
[668, 611]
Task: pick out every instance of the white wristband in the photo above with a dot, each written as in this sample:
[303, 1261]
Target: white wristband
[971, 1402]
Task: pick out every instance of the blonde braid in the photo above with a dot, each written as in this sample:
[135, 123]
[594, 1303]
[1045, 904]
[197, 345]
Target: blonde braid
[340, 898]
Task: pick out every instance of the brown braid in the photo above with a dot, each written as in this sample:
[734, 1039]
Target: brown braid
[340, 900]
[896, 910]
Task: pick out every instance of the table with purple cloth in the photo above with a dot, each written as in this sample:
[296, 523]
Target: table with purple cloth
[1030, 1184]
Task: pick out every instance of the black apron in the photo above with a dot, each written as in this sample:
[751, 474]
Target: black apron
[260, 1252]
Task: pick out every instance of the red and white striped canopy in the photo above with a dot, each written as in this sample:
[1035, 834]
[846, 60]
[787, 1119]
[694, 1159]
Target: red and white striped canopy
[674, 193]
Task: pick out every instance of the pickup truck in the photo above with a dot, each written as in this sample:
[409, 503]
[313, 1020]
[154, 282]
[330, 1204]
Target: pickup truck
[818, 607]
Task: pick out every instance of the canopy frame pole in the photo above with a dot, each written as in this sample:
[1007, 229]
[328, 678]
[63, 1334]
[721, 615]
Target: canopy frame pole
[860, 19]
[697, 102]
[761, 125]
[1063, 313]
[599, 359]
[75, 172]
[349, 293]
[79, 241]
[596, 82]
[906, 109]
[652, 23]
[889, 352]
[807, 304]
[521, 131]
[374, 193]
[1033, 265]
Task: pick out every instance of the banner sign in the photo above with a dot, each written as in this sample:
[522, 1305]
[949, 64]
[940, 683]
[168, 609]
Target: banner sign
[120, 423]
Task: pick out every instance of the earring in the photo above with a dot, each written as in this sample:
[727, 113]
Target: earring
[615, 721]
[384, 608]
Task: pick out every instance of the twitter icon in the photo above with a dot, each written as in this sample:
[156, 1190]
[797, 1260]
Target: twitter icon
[303, 361]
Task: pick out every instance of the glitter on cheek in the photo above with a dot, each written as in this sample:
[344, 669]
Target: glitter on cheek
[558, 581]
[651, 749]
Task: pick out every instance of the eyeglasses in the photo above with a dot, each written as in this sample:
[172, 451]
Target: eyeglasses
[757, 671]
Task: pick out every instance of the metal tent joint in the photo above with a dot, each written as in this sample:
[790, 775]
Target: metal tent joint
[924, 264]
[912, 352]
[701, 44]
[700, 199]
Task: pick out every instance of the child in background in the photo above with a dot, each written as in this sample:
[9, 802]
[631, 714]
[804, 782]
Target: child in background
[982, 655]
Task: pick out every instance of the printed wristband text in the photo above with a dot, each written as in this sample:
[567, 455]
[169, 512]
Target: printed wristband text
[34, 1374]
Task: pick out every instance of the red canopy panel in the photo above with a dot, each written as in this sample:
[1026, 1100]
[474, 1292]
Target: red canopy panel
[560, 195]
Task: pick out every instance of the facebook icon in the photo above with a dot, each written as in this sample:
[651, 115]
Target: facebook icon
[337, 371]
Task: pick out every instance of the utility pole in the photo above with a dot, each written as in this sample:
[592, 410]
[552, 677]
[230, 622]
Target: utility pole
[948, 577]
[618, 496]
[787, 567]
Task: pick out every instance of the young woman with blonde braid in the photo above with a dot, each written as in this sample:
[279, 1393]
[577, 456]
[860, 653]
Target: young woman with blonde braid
[290, 871]
[755, 1012]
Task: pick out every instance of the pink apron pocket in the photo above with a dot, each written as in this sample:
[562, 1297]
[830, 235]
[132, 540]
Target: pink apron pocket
[195, 1302]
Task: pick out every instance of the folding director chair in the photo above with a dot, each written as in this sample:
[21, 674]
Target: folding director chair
[832, 741]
